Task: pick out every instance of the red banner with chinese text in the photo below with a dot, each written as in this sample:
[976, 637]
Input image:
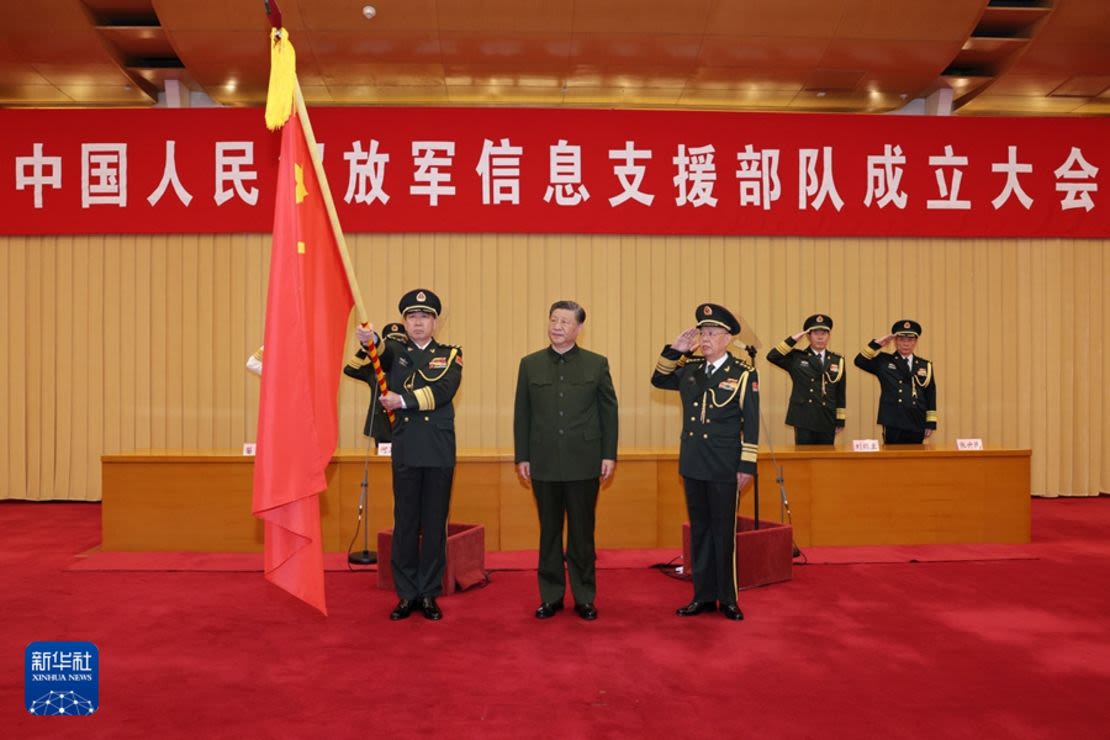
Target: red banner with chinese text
[580, 171]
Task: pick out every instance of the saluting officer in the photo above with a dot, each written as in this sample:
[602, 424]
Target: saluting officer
[908, 397]
[717, 454]
[817, 399]
[360, 368]
[423, 377]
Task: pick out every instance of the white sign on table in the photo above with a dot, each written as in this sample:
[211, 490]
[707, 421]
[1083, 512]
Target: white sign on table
[969, 444]
[865, 445]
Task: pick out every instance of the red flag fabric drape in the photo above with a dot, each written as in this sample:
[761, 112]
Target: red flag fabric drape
[307, 307]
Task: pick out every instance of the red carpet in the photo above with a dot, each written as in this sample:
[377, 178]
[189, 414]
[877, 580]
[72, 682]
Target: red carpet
[1012, 648]
[919, 553]
[96, 559]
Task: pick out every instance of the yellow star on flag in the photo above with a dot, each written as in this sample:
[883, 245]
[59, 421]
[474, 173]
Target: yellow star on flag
[302, 191]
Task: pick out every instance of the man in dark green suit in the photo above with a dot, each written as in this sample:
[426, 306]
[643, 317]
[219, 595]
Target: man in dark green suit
[565, 433]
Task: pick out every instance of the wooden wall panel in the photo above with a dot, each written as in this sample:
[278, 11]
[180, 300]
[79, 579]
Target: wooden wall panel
[112, 343]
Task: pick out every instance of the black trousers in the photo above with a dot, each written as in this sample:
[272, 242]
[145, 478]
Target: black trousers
[576, 501]
[896, 436]
[812, 437]
[712, 509]
[421, 500]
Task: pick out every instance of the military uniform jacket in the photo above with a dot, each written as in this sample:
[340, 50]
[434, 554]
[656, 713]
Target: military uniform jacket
[908, 400]
[720, 414]
[360, 368]
[427, 379]
[565, 415]
[817, 399]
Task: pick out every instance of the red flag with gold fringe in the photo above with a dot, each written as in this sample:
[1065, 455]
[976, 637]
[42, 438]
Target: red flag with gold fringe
[307, 308]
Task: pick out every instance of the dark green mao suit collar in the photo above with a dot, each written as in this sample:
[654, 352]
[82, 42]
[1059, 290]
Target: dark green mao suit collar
[569, 355]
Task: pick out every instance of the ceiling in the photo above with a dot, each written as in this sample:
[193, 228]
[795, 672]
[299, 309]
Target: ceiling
[998, 57]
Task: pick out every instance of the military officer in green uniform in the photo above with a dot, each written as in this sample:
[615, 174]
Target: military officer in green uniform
[908, 387]
[565, 439]
[717, 453]
[423, 377]
[360, 368]
[817, 409]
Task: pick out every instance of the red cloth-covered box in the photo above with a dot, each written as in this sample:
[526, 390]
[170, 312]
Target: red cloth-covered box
[466, 558]
[763, 555]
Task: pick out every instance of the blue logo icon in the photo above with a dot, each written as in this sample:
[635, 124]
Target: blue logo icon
[61, 678]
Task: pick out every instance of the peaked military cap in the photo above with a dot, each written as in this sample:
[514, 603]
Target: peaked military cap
[906, 328]
[420, 299]
[395, 331]
[710, 314]
[818, 321]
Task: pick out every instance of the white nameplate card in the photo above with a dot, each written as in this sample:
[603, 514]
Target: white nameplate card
[385, 449]
[969, 444]
[248, 449]
[865, 445]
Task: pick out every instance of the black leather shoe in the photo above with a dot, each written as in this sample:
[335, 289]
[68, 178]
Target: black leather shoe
[586, 611]
[402, 610]
[732, 611]
[548, 608]
[695, 608]
[431, 609]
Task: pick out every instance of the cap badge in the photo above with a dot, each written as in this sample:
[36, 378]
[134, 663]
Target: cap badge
[707, 311]
[820, 319]
[905, 325]
[421, 297]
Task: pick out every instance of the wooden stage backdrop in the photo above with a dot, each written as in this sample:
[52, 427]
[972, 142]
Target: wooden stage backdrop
[117, 343]
[200, 500]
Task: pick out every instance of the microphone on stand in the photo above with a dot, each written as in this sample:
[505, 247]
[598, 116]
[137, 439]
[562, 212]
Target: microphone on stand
[751, 344]
[367, 556]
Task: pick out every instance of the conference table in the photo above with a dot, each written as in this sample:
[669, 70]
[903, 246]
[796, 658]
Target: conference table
[200, 500]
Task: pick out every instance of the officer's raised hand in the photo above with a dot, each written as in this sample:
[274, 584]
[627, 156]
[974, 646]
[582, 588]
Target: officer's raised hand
[685, 341]
[365, 334]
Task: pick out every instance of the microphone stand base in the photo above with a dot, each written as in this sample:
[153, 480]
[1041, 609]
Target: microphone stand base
[366, 557]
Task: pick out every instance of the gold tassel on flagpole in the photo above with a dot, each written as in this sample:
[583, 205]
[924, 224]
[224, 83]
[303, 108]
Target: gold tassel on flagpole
[283, 79]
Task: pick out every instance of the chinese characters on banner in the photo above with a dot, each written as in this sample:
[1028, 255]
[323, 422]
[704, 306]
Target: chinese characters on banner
[529, 170]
